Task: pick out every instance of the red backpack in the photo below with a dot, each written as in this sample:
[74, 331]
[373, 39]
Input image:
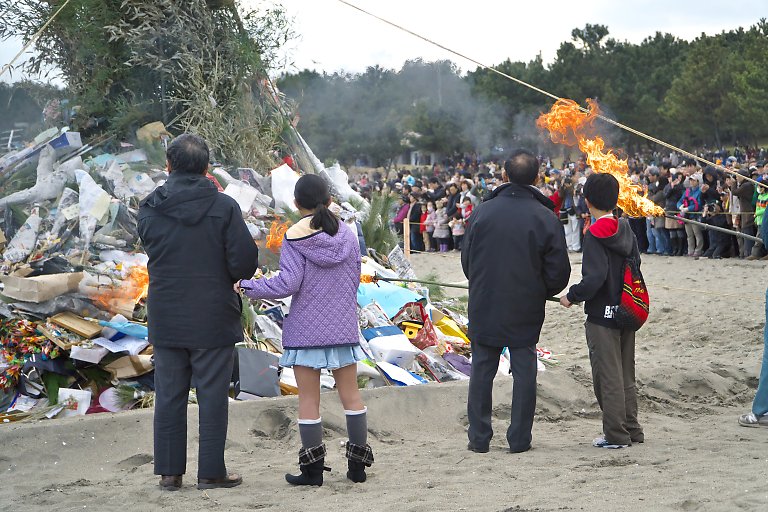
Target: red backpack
[634, 305]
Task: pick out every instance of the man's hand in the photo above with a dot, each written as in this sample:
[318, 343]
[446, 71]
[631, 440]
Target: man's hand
[565, 302]
[236, 287]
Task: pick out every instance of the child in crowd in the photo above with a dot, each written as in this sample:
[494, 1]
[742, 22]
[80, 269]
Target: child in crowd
[320, 269]
[442, 229]
[428, 219]
[457, 230]
[607, 244]
[466, 208]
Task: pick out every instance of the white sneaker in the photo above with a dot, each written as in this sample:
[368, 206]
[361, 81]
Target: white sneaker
[600, 442]
[750, 420]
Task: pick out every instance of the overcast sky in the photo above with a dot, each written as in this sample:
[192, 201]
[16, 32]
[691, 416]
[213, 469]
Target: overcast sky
[332, 36]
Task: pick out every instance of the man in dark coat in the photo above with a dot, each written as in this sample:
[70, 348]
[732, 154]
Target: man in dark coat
[515, 256]
[198, 247]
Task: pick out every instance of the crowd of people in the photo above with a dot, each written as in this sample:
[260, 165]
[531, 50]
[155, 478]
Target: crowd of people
[437, 202]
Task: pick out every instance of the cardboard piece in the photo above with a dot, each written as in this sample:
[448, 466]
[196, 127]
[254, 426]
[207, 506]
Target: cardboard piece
[130, 366]
[41, 288]
[77, 324]
[62, 343]
[2, 240]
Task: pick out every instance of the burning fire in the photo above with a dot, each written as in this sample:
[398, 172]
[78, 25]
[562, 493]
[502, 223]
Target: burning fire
[138, 282]
[131, 290]
[569, 125]
[276, 234]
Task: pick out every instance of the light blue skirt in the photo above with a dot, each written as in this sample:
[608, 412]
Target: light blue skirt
[322, 358]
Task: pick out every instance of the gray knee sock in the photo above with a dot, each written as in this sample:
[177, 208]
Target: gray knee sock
[311, 432]
[357, 426]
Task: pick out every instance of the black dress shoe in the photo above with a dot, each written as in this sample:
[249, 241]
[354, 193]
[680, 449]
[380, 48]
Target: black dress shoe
[232, 480]
[477, 449]
[170, 482]
[520, 450]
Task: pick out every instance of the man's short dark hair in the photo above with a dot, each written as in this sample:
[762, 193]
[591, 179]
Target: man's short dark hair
[434, 180]
[522, 167]
[188, 154]
[602, 190]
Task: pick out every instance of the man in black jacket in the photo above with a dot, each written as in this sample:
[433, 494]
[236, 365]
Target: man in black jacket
[198, 247]
[515, 256]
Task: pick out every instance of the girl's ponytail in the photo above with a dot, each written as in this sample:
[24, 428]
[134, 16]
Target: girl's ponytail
[325, 219]
[312, 193]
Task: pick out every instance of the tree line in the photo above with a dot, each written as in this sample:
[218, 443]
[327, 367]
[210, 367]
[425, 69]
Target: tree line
[711, 91]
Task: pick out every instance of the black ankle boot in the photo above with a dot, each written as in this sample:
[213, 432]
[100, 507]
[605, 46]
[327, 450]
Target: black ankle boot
[311, 465]
[359, 457]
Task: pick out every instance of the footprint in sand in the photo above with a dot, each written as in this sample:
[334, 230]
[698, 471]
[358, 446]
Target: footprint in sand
[134, 461]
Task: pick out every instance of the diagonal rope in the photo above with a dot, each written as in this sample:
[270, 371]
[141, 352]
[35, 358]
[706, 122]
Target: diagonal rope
[33, 39]
[547, 93]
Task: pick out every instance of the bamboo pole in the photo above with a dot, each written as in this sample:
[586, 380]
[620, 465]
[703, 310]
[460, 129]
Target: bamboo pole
[435, 283]
[715, 228]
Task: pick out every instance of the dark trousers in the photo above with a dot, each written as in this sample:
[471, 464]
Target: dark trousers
[417, 241]
[612, 355]
[212, 372]
[748, 244]
[485, 364]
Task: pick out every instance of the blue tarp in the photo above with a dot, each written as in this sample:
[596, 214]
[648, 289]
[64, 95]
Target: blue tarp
[390, 297]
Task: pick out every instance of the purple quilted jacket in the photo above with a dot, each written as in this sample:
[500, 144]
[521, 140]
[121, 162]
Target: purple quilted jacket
[322, 273]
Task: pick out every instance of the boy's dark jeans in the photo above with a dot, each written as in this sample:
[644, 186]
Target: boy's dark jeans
[612, 355]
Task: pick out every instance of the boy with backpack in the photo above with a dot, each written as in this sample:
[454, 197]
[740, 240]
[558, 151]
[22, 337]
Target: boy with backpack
[616, 304]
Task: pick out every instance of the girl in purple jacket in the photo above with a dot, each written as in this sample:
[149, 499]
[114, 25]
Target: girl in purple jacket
[320, 269]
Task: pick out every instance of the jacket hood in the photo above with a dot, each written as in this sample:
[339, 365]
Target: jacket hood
[513, 189]
[325, 250]
[615, 235]
[184, 197]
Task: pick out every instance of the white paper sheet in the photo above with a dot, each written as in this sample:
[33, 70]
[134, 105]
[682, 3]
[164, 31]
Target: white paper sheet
[127, 344]
[89, 355]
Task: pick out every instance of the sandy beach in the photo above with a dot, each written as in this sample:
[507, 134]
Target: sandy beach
[698, 360]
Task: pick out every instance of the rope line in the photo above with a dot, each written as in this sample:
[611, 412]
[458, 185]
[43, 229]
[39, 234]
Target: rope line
[33, 39]
[547, 93]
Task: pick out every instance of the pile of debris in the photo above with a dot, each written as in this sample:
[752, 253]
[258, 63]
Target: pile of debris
[73, 337]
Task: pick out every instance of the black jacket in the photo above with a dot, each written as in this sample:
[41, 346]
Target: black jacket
[607, 245]
[451, 205]
[434, 195]
[414, 217]
[514, 255]
[198, 247]
[673, 193]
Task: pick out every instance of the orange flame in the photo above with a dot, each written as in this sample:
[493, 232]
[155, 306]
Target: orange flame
[276, 234]
[132, 289]
[367, 279]
[569, 125]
